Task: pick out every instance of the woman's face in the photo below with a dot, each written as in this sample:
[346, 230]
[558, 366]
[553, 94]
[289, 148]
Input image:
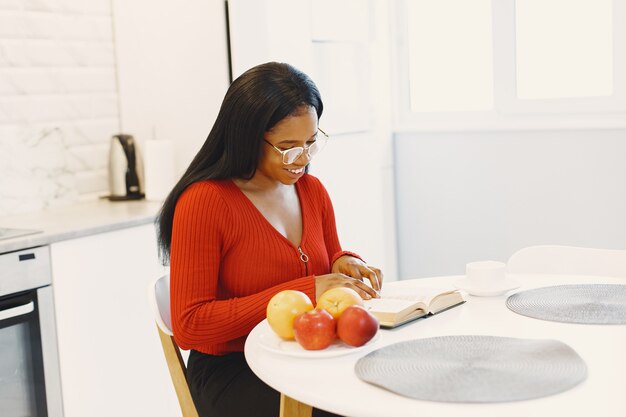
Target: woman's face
[292, 131]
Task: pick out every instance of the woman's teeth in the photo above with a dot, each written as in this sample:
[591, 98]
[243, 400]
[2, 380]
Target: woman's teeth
[296, 171]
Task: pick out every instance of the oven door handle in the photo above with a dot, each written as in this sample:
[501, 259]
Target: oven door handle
[17, 311]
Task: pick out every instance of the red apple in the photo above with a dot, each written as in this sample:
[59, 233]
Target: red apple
[315, 330]
[356, 326]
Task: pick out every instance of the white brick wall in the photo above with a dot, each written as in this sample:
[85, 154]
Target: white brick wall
[58, 101]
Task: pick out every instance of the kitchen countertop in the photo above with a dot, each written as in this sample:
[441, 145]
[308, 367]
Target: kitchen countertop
[77, 220]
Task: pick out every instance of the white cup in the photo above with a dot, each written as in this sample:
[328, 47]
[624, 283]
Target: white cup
[485, 274]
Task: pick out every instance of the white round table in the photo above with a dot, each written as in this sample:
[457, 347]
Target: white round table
[331, 384]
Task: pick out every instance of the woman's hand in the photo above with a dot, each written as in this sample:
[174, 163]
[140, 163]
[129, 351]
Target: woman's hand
[356, 268]
[324, 283]
[349, 271]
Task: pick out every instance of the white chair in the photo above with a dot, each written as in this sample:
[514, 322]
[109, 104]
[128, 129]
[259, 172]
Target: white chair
[554, 259]
[159, 295]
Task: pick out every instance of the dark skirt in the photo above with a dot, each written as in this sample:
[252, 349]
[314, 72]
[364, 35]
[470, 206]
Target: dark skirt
[225, 386]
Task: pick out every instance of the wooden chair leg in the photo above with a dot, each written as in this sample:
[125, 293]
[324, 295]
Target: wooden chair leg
[293, 408]
[177, 372]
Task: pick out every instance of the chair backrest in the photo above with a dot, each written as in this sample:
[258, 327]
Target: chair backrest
[554, 259]
[159, 296]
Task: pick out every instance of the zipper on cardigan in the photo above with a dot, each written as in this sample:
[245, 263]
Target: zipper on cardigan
[304, 258]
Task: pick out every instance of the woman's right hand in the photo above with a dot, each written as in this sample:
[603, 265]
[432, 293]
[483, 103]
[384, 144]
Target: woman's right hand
[325, 282]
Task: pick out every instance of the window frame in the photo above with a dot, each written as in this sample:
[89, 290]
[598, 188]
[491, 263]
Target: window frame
[509, 112]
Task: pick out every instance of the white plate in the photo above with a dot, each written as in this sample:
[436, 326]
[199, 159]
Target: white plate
[504, 287]
[270, 341]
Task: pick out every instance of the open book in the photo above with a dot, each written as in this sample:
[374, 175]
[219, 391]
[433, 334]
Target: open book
[401, 305]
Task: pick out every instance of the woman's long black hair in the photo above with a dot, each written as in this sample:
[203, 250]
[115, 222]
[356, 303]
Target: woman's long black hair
[254, 103]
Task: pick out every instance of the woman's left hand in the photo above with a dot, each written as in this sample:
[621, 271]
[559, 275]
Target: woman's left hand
[356, 268]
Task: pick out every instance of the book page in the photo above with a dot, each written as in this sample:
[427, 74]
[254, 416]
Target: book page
[400, 305]
[415, 294]
[391, 311]
[392, 305]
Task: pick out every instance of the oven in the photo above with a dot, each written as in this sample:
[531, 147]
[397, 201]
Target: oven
[30, 383]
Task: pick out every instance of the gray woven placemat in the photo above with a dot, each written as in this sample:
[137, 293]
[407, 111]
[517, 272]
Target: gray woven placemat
[473, 369]
[584, 303]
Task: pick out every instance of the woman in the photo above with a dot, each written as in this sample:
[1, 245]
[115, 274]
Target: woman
[245, 222]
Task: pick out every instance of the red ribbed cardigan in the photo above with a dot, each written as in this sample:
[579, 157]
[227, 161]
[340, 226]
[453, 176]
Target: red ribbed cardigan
[227, 261]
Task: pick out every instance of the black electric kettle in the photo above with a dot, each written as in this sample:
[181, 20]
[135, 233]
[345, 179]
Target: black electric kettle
[125, 169]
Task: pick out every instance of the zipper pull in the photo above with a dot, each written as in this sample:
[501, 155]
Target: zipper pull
[303, 256]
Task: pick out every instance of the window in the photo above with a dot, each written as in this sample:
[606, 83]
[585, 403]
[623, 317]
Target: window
[508, 63]
[564, 48]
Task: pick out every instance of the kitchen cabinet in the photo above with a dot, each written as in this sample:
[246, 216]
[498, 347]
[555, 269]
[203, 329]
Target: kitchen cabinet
[110, 356]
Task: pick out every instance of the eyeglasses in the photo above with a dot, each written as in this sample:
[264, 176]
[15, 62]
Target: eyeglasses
[292, 154]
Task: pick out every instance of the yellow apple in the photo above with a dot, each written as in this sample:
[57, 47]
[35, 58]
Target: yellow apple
[337, 299]
[283, 309]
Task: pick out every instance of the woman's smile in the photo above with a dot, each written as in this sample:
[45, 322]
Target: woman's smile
[296, 171]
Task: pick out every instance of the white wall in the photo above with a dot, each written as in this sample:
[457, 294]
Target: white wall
[269, 30]
[58, 101]
[172, 70]
[483, 195]
[73, 73]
